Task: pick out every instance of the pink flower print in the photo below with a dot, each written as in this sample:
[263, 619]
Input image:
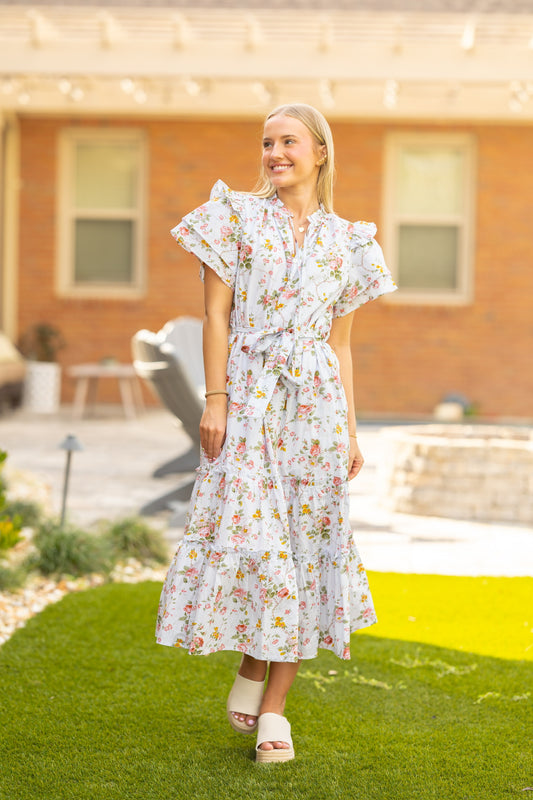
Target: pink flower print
[188, 608]
[226, 230]
[337, 480]
[315, 450]
[241, 447]
[304, 410]
[242, 628]
[242, 647]
[328, 640]
[283, 592]
[236, 518]
[317, 381]
[238, 592]
[339, 612]
[237, 538]
[368, 613]
[346, 653]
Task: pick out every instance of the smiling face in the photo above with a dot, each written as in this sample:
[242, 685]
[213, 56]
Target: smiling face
[290, 153]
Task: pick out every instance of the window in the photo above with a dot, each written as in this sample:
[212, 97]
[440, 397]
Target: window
[100, 219]
[429, 216]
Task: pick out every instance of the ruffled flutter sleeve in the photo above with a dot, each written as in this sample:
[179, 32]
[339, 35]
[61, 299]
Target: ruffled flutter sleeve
[212, 232]
[368, 275]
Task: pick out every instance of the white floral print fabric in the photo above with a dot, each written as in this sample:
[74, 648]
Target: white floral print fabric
[268, 565]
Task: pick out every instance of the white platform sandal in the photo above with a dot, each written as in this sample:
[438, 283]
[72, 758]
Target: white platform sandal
[245, 697]
[273, 728]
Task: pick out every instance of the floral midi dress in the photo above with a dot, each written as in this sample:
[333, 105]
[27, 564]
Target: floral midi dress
[268, 565]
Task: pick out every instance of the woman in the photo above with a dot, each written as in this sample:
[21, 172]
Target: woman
[268, 565]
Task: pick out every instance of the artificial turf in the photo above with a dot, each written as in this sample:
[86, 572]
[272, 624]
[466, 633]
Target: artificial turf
[92, 709]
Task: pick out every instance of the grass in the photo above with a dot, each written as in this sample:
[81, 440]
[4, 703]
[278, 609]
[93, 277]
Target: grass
[92, 708]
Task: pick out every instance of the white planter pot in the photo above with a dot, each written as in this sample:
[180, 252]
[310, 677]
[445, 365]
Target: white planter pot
[42, 387]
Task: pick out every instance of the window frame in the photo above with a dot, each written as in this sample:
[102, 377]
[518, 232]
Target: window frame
[463, 294]
[66, 285]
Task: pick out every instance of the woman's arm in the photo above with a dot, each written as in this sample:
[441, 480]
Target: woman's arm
[339, 341]
[218, 300]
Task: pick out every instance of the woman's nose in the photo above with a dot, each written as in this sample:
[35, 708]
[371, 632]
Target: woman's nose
[276, 150]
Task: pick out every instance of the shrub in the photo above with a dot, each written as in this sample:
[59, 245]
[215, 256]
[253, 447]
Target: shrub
[11, 578]
[134, 538]
[10, 526]
[69, 551]
[28, 512]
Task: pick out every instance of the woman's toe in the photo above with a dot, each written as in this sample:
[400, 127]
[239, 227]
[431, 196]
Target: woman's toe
[266, 746]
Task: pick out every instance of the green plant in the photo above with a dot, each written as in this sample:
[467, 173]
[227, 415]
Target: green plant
[41, 342]
[11, 578]
[10, 525]
[134, 538]
[29, 513]
[69, 551]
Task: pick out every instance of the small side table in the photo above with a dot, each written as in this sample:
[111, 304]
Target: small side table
[87, 377]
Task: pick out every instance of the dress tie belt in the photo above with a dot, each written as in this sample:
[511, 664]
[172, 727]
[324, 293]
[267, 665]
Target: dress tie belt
[279, 346]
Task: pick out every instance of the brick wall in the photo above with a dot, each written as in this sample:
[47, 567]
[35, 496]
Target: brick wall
[406, 357]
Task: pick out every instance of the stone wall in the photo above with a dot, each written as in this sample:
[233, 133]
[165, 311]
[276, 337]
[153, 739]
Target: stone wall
[469, 472]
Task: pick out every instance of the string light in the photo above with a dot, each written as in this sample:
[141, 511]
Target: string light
[390, 94]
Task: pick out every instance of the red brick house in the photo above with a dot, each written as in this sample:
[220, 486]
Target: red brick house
[116, 121]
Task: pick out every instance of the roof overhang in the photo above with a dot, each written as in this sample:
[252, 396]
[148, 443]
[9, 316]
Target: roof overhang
[150, 61]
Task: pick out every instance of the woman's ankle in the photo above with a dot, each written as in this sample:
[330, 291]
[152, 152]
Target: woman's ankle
[252, 669]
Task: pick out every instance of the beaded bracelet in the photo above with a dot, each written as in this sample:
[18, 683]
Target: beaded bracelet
[352, 436]
[216, 391]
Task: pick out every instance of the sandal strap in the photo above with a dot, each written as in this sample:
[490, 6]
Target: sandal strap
[245, 696]
[273, 728]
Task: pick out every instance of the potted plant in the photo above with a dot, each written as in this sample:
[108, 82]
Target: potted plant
[42, 389]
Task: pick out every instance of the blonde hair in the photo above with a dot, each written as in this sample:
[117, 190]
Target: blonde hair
[319, 128]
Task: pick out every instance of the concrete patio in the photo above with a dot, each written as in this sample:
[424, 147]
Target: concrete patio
[112, 478]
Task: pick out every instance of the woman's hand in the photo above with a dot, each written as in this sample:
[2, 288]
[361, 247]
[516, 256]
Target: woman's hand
[356, 459]
[213, 425]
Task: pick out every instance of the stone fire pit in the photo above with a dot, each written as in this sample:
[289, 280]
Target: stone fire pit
[465, 471]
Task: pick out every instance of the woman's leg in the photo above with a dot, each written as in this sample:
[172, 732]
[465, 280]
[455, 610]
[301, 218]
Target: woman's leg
[254, 670]
[280, 679]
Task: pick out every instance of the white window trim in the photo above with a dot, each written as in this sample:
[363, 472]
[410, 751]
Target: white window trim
[64, 280]
[463, 294]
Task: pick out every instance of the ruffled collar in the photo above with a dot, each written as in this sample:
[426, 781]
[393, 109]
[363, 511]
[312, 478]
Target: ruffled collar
[317, 215]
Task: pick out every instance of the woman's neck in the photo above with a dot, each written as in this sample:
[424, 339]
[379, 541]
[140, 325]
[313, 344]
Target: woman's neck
[301, 203]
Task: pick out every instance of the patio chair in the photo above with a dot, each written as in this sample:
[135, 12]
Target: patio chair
[171, 362]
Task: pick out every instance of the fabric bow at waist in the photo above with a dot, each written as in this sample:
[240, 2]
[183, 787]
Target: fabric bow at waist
[279, 346]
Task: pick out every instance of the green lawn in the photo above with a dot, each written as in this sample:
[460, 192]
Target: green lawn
[92, 709]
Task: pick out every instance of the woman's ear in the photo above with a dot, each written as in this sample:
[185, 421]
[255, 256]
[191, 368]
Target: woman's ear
[323, 152]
